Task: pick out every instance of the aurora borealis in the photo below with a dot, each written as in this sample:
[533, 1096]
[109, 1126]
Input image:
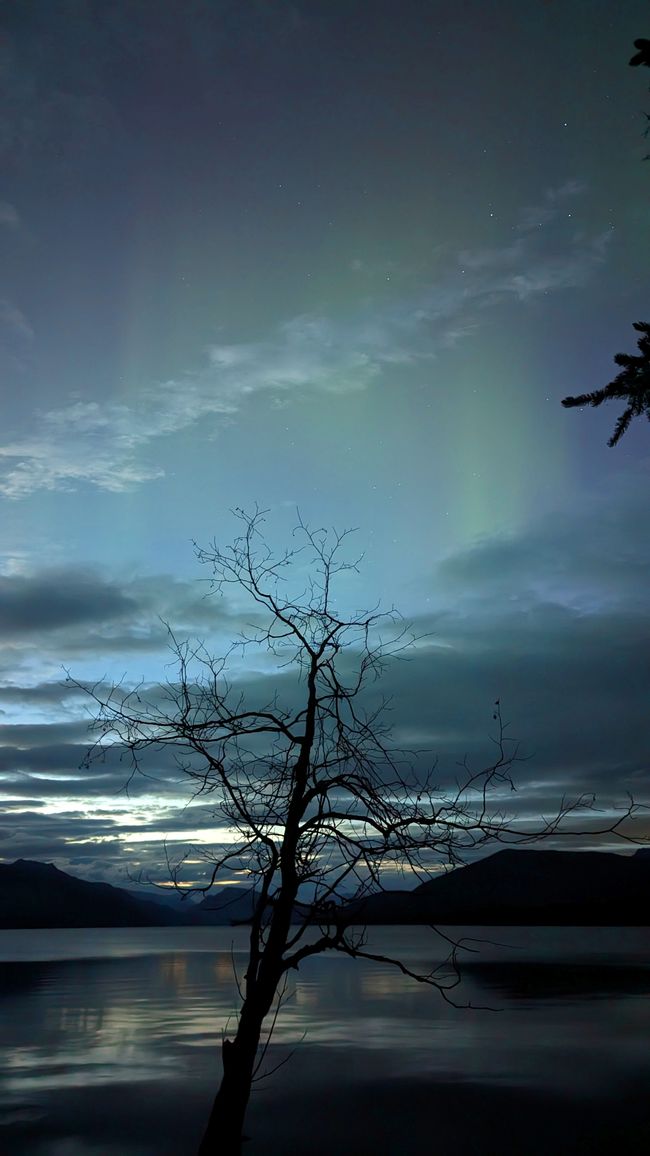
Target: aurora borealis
[346, 257]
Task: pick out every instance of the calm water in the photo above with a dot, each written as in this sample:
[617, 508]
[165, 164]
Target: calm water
[109, 1045]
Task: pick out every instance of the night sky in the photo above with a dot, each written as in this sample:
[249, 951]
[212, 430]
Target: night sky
[341, 256]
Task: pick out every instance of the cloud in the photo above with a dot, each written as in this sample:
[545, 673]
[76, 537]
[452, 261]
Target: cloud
[45, 694]
[62, 617]
[43, 734]
[16, 337]
[551, 206]
[553, 620]
[111, 445]
[51, 461]
[526, 269]
[13, 321]
[57, 599]
[550, 253]
[554, 272]
[9, 215]
[45, 762]
[592, 555]
[97, 443]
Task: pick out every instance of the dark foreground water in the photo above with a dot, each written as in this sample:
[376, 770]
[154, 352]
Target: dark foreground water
[109, 1046]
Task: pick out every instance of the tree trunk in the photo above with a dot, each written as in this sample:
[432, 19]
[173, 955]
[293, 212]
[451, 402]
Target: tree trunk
[223, 1135]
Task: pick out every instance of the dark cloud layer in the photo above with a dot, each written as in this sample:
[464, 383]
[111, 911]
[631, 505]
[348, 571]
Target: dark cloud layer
[560, 635]
[591, 553]
[67, 616]
[30, 605]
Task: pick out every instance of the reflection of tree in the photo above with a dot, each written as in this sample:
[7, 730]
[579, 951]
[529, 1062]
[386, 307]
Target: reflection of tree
[318, 800]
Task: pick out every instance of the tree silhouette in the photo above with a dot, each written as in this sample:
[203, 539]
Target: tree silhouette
[317, 802]
[632, 385]
[642, 55]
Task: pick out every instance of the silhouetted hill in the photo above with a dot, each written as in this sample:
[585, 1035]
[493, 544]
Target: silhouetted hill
[39, 895]
[227, 905]
[167, 896]
[511, 886]
[525, 886]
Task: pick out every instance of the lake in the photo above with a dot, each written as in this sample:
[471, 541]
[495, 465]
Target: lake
[110, 1040]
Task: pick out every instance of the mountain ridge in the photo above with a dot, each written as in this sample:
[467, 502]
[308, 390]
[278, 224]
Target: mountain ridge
[512, 885]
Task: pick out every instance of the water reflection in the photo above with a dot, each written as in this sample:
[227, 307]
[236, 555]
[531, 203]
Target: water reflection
[128, 1041]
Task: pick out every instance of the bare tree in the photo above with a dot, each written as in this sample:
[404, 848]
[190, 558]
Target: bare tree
[320, 803]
